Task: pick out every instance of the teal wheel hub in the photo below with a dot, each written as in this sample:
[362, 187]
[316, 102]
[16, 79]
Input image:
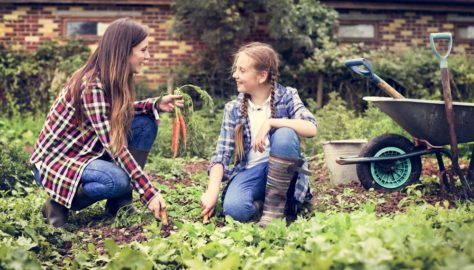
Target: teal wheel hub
[393, 174]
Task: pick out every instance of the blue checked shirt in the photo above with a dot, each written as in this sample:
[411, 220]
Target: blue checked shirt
[288, 105]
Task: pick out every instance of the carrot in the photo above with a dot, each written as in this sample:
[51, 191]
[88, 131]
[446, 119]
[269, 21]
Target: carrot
[164, 216]
[183, 129]
[205, 218]
[175, 138]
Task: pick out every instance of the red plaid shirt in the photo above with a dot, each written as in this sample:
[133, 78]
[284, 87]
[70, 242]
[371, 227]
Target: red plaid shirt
[63, 152]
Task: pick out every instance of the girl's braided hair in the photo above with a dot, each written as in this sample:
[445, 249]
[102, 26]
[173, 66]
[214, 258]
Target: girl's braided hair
[266, 59]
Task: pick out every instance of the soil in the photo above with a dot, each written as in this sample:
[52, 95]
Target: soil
[345, 198]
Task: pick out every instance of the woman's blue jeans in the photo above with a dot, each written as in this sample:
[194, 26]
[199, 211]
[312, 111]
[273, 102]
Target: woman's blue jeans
[249, 185]
[102, 178]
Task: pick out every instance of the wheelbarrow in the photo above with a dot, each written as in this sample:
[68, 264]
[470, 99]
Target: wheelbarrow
[392, 161]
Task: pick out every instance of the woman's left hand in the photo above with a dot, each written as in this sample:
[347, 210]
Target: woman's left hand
[168, 102]
[259, 142]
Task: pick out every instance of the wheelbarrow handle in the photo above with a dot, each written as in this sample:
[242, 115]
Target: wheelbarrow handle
[367, 72]
[443, 59]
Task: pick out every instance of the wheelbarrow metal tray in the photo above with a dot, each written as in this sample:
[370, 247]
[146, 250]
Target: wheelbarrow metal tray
[426, 119]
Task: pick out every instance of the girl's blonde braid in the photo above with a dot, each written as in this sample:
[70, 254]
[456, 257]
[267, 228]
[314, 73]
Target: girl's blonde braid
[239, 130]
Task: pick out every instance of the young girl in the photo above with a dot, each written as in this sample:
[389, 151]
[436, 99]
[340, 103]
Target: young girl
[96, 139]
[260, 130]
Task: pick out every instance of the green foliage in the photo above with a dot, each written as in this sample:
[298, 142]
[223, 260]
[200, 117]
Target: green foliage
[25, 240]
[362, 240]
[422, 236]
[295, 28]
[168, 168]
[29, 81]
[22, 131]
[15, 171]
[17, 257]
[415, 74]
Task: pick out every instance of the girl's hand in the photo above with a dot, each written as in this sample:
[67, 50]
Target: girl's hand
[208, 202]
[156, 205]
[168, 102]
[259, 142]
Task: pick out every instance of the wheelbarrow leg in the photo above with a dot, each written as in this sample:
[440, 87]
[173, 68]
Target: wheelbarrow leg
[443, 178]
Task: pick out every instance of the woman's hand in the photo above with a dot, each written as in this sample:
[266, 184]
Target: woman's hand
[156, 205]
[167, 103]
[208, 202]
[259, 142]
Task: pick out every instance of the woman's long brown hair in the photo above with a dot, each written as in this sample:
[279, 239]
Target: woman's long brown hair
[266, 59]
[110, 62]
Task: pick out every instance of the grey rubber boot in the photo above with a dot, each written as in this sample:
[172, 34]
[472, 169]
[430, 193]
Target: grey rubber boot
[55, 213]
[279, 177]
[113, 205]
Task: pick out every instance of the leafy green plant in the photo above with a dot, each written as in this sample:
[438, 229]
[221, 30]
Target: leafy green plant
[29, 82]
[15, 171]
[21, 131]
[168, 168]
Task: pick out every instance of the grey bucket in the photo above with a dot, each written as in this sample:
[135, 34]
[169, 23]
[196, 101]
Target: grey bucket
[341, 174]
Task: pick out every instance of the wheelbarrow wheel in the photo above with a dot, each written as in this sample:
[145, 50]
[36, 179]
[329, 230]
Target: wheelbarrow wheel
[388, 175]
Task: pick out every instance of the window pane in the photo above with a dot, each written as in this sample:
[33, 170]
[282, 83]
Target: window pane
[82, 28]
[101, 28]
[357, 31]
[466, 32]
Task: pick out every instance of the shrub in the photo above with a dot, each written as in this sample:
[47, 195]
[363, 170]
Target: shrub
[15, 171]
[30, 81]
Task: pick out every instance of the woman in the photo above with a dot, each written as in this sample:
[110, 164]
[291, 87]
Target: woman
[261, 130]
[96, 139]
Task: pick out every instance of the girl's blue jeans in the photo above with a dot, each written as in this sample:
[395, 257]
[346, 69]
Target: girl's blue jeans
[249, 185]
[102, 178]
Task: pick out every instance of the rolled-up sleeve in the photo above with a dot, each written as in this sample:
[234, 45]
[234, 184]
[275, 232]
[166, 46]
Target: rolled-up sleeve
[296, 108]
[148, 106]
[226, 143]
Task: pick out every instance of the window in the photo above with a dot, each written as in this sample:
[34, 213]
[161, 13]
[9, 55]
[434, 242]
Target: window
[85, 28]
[466, 32]
[363, 31]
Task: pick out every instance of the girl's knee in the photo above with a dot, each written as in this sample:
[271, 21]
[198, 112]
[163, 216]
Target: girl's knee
[285, 142]
[238, 210]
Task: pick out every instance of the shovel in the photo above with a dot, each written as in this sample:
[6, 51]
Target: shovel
[354, 65]
[448, 105]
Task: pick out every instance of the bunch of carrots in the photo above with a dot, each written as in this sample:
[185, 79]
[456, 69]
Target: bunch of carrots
[179, 128]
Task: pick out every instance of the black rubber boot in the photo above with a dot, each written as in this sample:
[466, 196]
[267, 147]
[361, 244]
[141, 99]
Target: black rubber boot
[81, 200]
[113, 205]
[55, 213]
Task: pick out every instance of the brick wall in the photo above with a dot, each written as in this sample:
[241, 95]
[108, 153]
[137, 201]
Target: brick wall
[24, 27]
[397, 31]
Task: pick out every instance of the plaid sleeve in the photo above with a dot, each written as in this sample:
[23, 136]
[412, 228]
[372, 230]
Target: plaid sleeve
[96, 110]
[296, 108]
[225, 144]
[148, 106]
